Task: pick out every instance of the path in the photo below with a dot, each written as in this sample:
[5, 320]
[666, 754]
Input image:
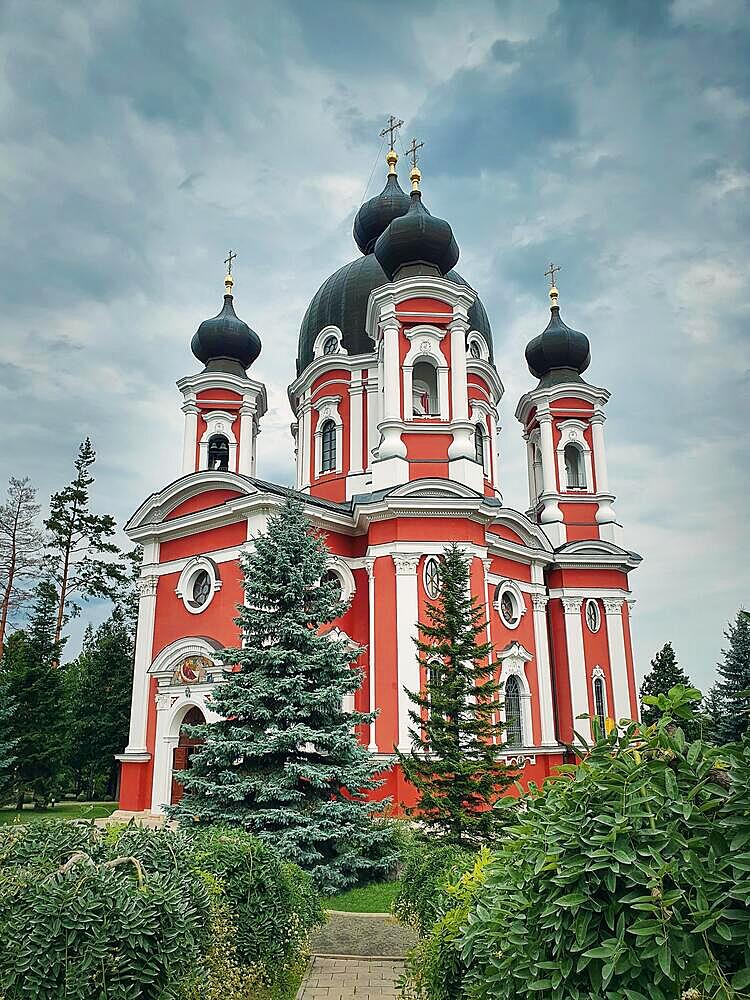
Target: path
[351, 979]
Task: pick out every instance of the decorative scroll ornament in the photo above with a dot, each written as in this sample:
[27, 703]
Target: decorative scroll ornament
[612, 606]
[572, 605]
[539, 601]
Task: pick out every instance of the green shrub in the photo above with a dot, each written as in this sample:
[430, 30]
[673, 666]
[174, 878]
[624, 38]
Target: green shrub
[427, 872]
[130, 913]
[618, 881]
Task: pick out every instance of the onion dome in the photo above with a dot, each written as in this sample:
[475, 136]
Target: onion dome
[375, 215]
[559, 354]
[226, 343]
[417, 243]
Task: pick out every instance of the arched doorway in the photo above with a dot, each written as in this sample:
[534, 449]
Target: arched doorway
[184, 750]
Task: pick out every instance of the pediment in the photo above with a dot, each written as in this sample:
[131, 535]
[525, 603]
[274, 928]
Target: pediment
[159, 506]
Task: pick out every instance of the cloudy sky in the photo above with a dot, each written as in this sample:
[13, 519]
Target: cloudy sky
[140, 140]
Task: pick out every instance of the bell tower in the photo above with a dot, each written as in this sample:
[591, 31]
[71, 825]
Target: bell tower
[222, 404]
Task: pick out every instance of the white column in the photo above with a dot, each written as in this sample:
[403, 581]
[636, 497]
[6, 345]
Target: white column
[143, 646]
[617, 662]
[355, 423]
[190, 438]
[579, 696]
[543, 669]
[246, 461]
[494, 434]
[373, 417]
[549, 482]
[407, 613]
[600, 456]
[304, 442]
[391, 372]
[370, 567]
[164, 744]
[459, 385]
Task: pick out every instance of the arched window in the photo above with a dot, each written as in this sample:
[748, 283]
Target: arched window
[331, 576]
[513, 718]
[474, 349]
[218, 453]
[479, 450]
[600, 703]
[574, 467]
[331, 345]
[328, 447]
[424, 390]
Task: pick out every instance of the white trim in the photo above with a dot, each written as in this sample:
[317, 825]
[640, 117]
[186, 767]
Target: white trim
[370, 567]
[592, 602]
[572, 433]
[617, 659]
[407, 616]
[425, 347]
[194, 566]
[338, 565]
[513, 659]
[474, 337]
[328, 409]
[597, 674]
[218, 423]
[320, 340]
[507, 586]
[579, 696]
[564, 390]
[144, 638]
[168, 659]
[429, 559]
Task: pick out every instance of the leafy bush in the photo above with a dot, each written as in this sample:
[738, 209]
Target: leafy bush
[427, 873]
[619, 881]
[132, 913]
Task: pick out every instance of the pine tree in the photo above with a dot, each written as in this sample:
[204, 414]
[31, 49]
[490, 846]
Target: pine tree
[98, 695]
[457, 761]
[285, 762]
[665, 674]
[733, 683]
[78, 539]
[20, 549]
[8, 742]
[712, 716]
[36, 687]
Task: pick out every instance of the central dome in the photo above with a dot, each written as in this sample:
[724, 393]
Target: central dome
[342, 299]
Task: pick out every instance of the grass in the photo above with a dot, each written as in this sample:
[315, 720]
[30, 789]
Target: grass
[375, 898]
[63, 810]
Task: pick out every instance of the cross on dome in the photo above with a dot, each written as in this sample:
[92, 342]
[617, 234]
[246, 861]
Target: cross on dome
[553, 287]
[394, 124]
[412, 151]
[229, 280]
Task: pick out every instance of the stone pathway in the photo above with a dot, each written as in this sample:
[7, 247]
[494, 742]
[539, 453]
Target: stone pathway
[346, 978]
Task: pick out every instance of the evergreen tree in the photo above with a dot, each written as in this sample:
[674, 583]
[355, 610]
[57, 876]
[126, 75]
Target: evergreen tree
[36, 687]
[98, 695]
[713, 715]
[81, 559]
[7, 741]
[665, 673]
[457, 760]
[20, 549]
[285, 762]
[733, 683]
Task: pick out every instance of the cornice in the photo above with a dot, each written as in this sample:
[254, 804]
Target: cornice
[565, 390]
[416, 286]
[328, 362]
[191, 385]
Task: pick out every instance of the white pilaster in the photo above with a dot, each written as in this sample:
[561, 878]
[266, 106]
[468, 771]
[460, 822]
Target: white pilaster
[617, 662]
[164, 744]
[391, 371]
[143, 646]
[246, 460]
[407, 614]
[190, 438]
[459, 386]
[551, 518]
[543, 669]
[579, 697]
[304, 435]
[370, 567]
[373, 417]
[355, 423]
[600, 455]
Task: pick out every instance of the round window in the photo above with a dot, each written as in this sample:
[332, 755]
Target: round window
[509, 606]
[475, 350]
[200, 589]
[432, 578]
[593, 615]
[330, 345]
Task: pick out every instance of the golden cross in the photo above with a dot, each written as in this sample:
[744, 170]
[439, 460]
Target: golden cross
[412, 151]
[232, 256]
[551, 274]
[394, 124]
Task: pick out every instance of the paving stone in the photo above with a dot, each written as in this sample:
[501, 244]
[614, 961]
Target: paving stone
[350, 979]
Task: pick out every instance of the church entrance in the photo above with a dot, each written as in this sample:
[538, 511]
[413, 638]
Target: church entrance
[184, 750]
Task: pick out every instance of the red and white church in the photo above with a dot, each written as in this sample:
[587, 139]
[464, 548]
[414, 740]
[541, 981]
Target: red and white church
[396, 435]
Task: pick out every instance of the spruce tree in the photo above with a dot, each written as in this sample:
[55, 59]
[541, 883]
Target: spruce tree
[733, 683]
[665, 673]
[8, 742]
[285, 763]
[457, 760]
[81, 559]
[712, 715]
[35, 686]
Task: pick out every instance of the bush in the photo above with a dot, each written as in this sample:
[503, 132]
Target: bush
[620, 880]
[426, 875]
[132, 913]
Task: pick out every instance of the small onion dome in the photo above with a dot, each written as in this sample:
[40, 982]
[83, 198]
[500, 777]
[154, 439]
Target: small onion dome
[224, 342]
[417, 243]
[558, 353]
[375, 215]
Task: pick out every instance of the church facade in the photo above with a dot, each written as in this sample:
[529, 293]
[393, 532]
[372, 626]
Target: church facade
[396, 437]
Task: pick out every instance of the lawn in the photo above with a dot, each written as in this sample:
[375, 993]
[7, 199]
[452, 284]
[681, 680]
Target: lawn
[63, 810]
[375, 898]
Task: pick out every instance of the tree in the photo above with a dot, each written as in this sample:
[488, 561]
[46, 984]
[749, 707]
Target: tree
[285, 762]
[77, 541]
[733, 685]
[713, 714]
[665, 674]
[20, 549]
[457, 760]
[7, 741]
[36, 687]
[98, 695]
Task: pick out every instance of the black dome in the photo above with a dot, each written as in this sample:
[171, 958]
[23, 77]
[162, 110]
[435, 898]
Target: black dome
[558, 353]
[225, 342]
[342, 301]
[375, 215]
[417, 243]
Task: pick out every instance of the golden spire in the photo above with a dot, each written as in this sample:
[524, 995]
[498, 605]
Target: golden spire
[229, 280]
[553, 293]
[391, 159]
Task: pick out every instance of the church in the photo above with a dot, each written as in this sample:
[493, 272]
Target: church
[396, 436]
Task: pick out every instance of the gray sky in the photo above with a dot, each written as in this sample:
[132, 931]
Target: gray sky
[141, 140]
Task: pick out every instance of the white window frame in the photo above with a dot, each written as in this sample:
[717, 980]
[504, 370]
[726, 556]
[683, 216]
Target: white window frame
[597, 674]
[572, 432]
[345, 575]
[187, 577]
[427, 561]
[476, 338]
[328, 409]
[513, 660]
[592, 600]
[425, 346]
[218, 422]
[320, 340]
[511, 587]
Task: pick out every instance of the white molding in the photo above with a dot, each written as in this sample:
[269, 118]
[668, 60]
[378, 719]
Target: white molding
[425, 347]
[540, 397]
[386, 298]
[318, 366]
[509, 586]
[168, 659]
[340, 567]
[325, 333]
[195, 565]
[218, 422]
[328, 409]
[144, 639]
[407, 617]
[579, 697]
[513, 659]
[572, 433]
[370, 567]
